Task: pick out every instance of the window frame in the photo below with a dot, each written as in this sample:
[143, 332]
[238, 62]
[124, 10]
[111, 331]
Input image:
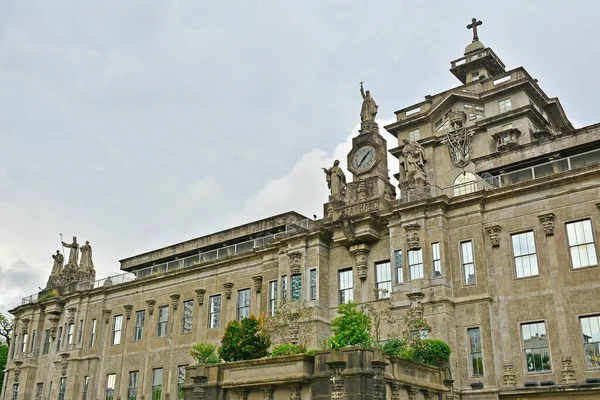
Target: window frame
[480, 352]
[239, 308]
[349, 289]
[296, 292]
[524, 255]
[110, 391]
[502, 105]
[399, 269]
[212, 313]
[187, 318]
[59, 338]
[24, 338]
[15, 391]
[162, 326]
[117, 330]
[436, 263]
[414, 135]
[153, 382]
[62, 388]
[284, 287]
[523, 349]
[273, 293]
[47, 341]
[71, 333]
[86, 383]
[138, 330]
[313, 284]
[80, 332]
[597, 343]
[384, 287]
[180, 382]
[93, 332]
[419, 254]
[593, 243]
[465, 281]
[132, 391]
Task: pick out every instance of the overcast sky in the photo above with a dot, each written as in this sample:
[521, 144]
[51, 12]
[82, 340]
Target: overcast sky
[139, 124]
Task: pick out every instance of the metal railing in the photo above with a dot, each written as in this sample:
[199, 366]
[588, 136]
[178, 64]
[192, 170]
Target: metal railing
[185, 262]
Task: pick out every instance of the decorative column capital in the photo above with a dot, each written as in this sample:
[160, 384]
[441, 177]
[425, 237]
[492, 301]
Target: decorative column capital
[360, 253]
[198, 392]
[53, 318]
[106, 315]
[228, 286]
[150, 304]
[416, 299]
[268, 393]
[494, 232]
[175, 300]
[412, 236]
[200, 295]
[64, 363]
[71, 317]
[25, 325]
[412, 392]
[295, 258]
[295, 391]
[128, 308]
[258, 280]
[547, 221]
[509, 376]
[243, 394]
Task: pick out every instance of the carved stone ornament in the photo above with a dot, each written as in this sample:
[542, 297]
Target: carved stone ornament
[72, 311]
[395, 388]
[428, 394]
[416, 299]
[294, 262]
[151, 304]
[361, 193]
[17, 370]
[25, 325]
[228, 286]
[175, 301]
[547, 221]
[412, 236]
[64, 363]
[378, 380]
[243, 394]
[348, 226]
[200, 295]
[494, 232]
[128, 308]
[257, 283]
[509, 376]
[268, 393]
[106, 315]
[198, 391]
[449, 383]
[53, 325]
[295, 391]
[458, 139]
[413, 392]
[568, 373]
[336, 380]
[360, 253]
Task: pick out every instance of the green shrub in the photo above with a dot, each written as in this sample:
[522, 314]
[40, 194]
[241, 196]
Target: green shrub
[48, 295]
[407, 353]
[393, 346]
[351, 328]
[244, 341]
[432, 351]
[205, 353]
[287, 350]
[310, 352]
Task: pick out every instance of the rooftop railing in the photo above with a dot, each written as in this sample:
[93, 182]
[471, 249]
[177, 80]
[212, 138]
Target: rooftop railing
[185, 262]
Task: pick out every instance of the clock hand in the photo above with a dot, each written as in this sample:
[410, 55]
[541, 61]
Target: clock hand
[362, 159]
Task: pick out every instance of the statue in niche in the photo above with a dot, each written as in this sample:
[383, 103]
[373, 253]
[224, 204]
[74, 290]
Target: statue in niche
[86, 257]
[336, 180]
[414, 164]
[73, 252]
[58, 263]
[368, 111]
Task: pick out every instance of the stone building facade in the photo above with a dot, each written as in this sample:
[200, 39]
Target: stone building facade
[492, 234]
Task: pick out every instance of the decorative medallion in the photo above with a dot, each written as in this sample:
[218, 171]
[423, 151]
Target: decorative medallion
[200, 295]
[228, 286]
[175, 301]
[257, 283]
[294, 262]
[494, 232]
[106, 315]
[412, 236]
[547, 221]
[360, 253]
[151, 304]
[128, 308]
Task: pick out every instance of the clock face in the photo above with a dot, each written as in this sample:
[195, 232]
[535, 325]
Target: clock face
[364, 158]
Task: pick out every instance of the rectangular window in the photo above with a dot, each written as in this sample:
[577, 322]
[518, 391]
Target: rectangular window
[117, 328]
[413, 135]
[479, 109]
[523, 245]
[180, 380]
[214, 314]
[535, 345]
[188, 316]
[110, 386]
[272, 298]
[86, 383]
[438, 124]
[398, 261]
[243, 304]
[138, 330]
[46, 347]
[469, 106]
[346, 289]
[312, 295]
[475, 351]
[467, 262]
[59, 338]
[133, 385]
[93, 333]
[24, 343]
[62, 388]
[504, 105]
[33, 335]
[80, 334]
[296, 282]
[581, 244]
[437, 261]
[284, 284]
[157, 375]
[590, 328]
[15, 393]
[70, 334]
[163, 319]
[39, 390]
[415, 264]
[383, 279]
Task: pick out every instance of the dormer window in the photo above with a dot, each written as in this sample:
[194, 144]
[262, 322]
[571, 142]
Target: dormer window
[507, 137]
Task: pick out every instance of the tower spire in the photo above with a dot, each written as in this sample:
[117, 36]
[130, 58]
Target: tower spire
[473, 25]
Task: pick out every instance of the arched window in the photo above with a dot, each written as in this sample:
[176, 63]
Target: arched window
[465, 183]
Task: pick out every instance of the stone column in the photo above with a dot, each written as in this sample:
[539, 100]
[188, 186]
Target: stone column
[396, 387]
[336, 381]
[413, 392]
[449, 383]
[198, 391]
[378, 380]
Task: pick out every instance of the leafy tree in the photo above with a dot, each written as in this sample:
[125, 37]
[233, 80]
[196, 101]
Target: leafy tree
[6, 327]
[432, 351]
[380, 312]
[205, 353]
[3, 358]
[244, 341]
[351, 328]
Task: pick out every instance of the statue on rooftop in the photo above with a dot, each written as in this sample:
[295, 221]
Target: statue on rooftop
[86, 257]
[414, 164]
[368, 111]
[74, 252]
[58, 263]
[336, 179]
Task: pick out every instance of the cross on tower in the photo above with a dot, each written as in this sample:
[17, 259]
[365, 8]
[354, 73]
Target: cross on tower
[474, 24]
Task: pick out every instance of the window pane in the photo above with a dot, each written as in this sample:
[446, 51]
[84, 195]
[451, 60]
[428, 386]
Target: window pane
[383, 276]
[581, 244]
[398, 261]
[535, 346]
[215, 312]
[296, 287]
